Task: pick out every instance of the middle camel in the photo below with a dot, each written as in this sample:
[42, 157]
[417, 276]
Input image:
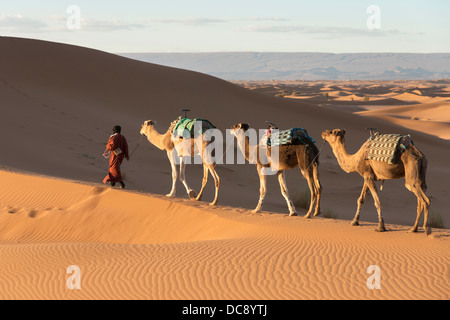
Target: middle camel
[305, 156]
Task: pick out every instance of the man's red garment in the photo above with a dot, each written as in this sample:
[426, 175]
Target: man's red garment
[118, 146]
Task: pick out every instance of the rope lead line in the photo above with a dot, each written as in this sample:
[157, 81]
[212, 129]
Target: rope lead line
[320, 150]
[139, 142]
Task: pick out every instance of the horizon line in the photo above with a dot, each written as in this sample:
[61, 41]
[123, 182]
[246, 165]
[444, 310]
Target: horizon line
[284, 52]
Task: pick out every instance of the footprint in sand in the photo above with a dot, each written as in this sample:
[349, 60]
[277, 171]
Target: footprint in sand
[38, 214]
[90, 202]
[99, 190]
[33, 213]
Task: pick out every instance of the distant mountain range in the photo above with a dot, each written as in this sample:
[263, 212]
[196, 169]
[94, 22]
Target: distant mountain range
[307, 66]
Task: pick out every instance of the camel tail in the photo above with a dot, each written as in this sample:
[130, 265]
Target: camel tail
[423, 164]
[315, 153]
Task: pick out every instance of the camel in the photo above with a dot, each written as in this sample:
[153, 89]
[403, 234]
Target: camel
[412, 166]
[303, 156]
[174, 148]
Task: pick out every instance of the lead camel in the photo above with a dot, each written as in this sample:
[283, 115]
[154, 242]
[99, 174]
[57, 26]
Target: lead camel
[412, 166]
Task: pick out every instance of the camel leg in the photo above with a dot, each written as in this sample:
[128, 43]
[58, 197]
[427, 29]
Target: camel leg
[373, 190]
[170, 155]
[284, 192]
[262, 190]
[313, 193]
[415, 182]
[423, 205]
[425, 219]
[318, 189]
[204, 182]
[189, 191]
[216, 178]
[419, 214]
[360, 202]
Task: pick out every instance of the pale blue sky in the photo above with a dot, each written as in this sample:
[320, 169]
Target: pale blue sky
[232, 25]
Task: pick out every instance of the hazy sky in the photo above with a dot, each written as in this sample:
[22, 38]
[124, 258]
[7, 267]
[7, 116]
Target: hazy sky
[234, 25]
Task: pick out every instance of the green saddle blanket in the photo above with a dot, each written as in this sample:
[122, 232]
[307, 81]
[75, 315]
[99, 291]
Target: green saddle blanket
[292, 136]
[188, 125]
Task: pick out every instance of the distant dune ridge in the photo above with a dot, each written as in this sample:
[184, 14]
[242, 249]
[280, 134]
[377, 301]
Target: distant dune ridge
[58, 105]
[307, 65]
[422, 105]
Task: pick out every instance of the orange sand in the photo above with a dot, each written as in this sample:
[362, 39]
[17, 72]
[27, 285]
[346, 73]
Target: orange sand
[130, 245]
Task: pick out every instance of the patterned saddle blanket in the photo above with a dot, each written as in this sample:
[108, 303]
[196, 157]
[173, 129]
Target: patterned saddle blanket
[188, 125]
[387, 147]
[294, 136]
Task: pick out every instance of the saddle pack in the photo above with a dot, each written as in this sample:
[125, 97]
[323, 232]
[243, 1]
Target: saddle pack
[387, 147]
[188, 126]
[293, 136]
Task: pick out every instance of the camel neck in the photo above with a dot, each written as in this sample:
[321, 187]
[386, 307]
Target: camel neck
[249, 151]
[346, 161]
[157, 139]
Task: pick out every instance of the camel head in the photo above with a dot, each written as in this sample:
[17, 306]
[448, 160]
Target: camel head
[332, 136]
[145, 125]
[239, 126]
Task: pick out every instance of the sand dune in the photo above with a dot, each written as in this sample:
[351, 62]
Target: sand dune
[432, 118]
[59, 103]
[139, 246]
[77, 213]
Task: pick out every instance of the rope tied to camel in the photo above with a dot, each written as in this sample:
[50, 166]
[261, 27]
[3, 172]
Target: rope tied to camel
[317, 155]
[135, 148]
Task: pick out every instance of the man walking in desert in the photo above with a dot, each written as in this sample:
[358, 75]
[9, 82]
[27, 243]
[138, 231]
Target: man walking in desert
[117, 148]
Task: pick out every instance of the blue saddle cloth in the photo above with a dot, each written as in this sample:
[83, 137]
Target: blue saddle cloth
[293, 136]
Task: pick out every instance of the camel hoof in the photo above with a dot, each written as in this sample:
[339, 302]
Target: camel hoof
[192, 195]
[256, 211]
[293, 214]
[212, 204]
[198, 199]
[413, 230]
[380, 229]
[427, 231]
[170, 195]
[355, 223]
[317, 214]
[307, 216]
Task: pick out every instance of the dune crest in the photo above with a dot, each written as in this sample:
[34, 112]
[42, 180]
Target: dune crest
[432, 118]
